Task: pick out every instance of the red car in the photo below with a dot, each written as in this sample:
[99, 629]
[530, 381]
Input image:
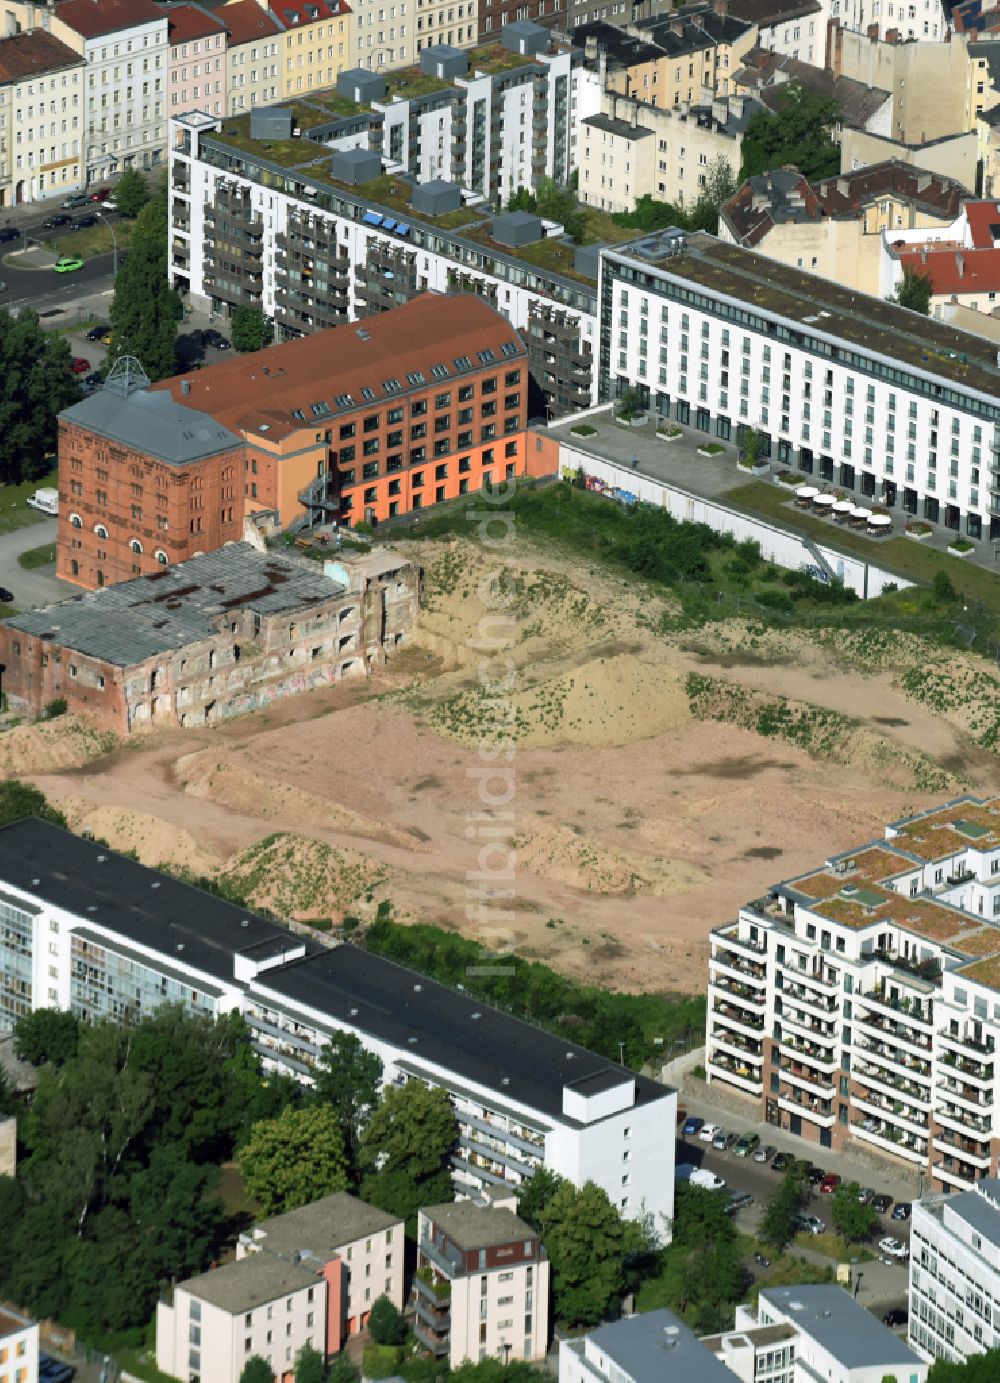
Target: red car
[79, 365]
[829, 1184]
[101, 195]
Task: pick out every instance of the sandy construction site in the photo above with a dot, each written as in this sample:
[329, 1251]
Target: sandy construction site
[656, 780]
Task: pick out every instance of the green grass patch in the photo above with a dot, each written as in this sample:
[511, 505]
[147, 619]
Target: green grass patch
[832, 1246]
[14, 512]
[93, 240]
[37, 556]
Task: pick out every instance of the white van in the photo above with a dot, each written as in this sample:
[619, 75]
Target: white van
[47, 501]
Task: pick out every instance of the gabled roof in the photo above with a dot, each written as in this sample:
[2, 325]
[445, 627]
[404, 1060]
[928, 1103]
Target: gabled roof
[31, 54]
[152, 422]
[769, 76]
[189, 22]
[766, 13]
[295, 14]
[93, 18]
[246, 21]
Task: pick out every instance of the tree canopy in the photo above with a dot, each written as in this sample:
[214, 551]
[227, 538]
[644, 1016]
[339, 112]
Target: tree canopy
[309, 1366]
[294, 1159]
[978, 1368]
[587, 1245]
[36, 384]
[257, 1370]
[385, 1323]
[796, 133]
[555, 202]
[145, 310]
[777, 1227]
[47, 1034]
[914, 291]
[651, 215]
[851, 1218]
[405, 1147]
[348, 1079]
[250, 329]
[132, 192]
[21, 799]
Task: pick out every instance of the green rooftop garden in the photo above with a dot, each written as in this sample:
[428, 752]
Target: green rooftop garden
[412, 81]
[493, 58]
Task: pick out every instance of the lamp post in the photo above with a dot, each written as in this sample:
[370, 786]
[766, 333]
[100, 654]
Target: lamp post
[114, 244]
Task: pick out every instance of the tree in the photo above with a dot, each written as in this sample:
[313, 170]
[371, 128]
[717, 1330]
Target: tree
[309, 1366]
[9, 1103]
[944, 591]
[978, 1368]
[522, 200]
[294, 1159]
[342, 1370]
[559, 204]
[914, 291]
[385, 1324]
[18, 800]
[256, 1370]
[586, 1245]
[250, 329]
[777, 1227]
[145, 309]
[851, 1218]
[36, 384]
[796, 132]
[348, 1079]
[405, 1147]
[46, 1035]
[720, 184]
[536, 1194]
[132, 193]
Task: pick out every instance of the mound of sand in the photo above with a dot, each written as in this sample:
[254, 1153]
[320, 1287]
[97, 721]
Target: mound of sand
[303, 879]
[214, 777]
[557, 852]
[154, 841]
[52, 746]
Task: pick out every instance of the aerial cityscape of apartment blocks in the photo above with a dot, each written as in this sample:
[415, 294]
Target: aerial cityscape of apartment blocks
[861, 1001]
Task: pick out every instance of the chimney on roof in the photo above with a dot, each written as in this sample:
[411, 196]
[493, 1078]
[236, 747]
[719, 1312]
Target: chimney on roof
[924, 181]
[677, 26]
[960, 264]
[843, 187]
[736, 107]
[590, 48]
[185, 387]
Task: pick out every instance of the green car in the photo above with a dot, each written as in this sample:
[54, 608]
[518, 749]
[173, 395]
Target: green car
[67, 264]
[746, 1145]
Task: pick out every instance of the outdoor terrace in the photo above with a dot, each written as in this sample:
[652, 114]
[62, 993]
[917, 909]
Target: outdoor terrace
[986, 971]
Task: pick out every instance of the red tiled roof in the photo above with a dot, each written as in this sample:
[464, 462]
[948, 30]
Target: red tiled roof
[298, 13]
[28, 55]
[92, 18]
[246, 21]
[982, 218]
[189, 22]
[953, 270]
[242, 392]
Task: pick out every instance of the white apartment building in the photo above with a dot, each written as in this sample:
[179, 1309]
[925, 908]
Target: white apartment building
[955, 1273]
[359, 1249]
[841, 385]
[41, 118]
[481, 1289]
[861, 1001]
[104, 937]
[18, 1349]
[220, 1320]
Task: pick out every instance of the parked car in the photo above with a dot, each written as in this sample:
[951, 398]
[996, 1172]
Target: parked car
[721, 1140]
[893, 1248]
[79, 364]
[739, 1200]
[67, 263]
[866, 1195]
[77, 199]
[829, 1184]
[746, 1145]
[880, 1204]
[901, 1210]
[98, 333]
[85, 222]
[765, 1153]
[762, 1259]
[6, 597]
[809, 1224]
[211, 337]
[692, 1125]
[898, 1315]
[57, 220]
[780, 1162]
[815, 1176]
[109, 204]
[101, 195]
[54, 1370]
[9, 233]
[95, 378]
[707, 1132]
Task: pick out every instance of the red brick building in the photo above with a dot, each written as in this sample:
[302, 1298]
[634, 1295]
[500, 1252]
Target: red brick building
[143, 482]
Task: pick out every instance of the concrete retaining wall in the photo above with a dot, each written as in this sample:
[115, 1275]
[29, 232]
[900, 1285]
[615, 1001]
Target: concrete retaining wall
[779, 545]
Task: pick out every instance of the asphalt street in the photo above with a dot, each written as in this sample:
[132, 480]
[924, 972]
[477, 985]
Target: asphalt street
[39, 586]
[44, 289]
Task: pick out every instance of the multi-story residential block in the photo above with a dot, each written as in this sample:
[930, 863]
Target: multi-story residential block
[314, 250]
[952, 156]
[384, 37]
[197, 71]
[637, 150]
[19, 1354]
[961, 259]
[358, 1248]
[219, 1320]
[837, 384]
[218, 635]
[794, 28]
[954, 1271]
[41, 118]
[481, 1289]
[835, 227]
[144, 482]
[86, 930]
[860, 1001]
[315, 45]
[418, 406]
[668, 61]
[834, 1336]
[125, 50]
[493, 15]
[860, 105]
[647, 1348]
[451, 24]
[253, 55]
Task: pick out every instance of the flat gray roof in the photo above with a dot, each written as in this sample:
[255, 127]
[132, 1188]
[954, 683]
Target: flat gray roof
[129, 622]
[150, 421]
[473, 1226]
[852, 1335]
[252, 1281]
[322, 1227]
[978, 1208]
[658, 1345]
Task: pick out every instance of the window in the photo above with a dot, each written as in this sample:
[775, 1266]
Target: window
[161, 557]
[100, 530]
[135, 545]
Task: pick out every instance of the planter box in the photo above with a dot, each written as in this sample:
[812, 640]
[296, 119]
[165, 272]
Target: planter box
[919, 536]
[758, 467]
[640, 420]
[670, 436]
[961, 551]
[704, 451]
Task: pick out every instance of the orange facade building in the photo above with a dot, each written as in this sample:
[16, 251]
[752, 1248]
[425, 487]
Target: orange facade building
[373, 420]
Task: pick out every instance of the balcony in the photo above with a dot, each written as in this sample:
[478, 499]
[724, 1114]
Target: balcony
[824, 1055]
[733, 1073]
[952, 1175]
[897, 1032]
[806, 1109]
[813, 1030]
[893, 1084]
[964, 1149]
[741, 1047]
[812, 1082]
[979, 1071]
[738, 1018]
[728, 962]
[899, 1145]
[892, 1111]
[899, 1009]
[966, 1095]
[429, 1250]
[436, 1344]
[893, 1058]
